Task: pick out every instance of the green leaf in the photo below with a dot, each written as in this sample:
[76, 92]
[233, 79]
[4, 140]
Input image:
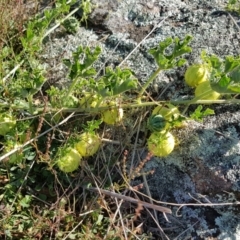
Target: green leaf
[211, 60]
[67, 62]
[164, 44]
[178, 122]
[224, 81]
[89, 72]
[199, 114]
[92, 125]
[234, 87]
[235, 74]
[231, 63]
[100, 219]
[174, 59]
[233, 5]
[84, 67]
[25, 202]
[115, 82]
[225, 73]
[181, 62]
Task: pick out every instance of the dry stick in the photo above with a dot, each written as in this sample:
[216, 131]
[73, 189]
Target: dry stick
[155, 218]
[32, 192]
[12, 72]
[176, 238]
[164, 90]
[155, 27]
[138, 121]
[130, 199]
[202, 196]
[58, 24]
[135, 146]
[20, 188]
[186, 204]
[110, 141]
[129, 230]
[157, 223]
[234, 21]
[197, 199]
[110, 54]
[149, 194]
[35, 138]
[158, 208]
[73, 230]
[100, 192]
[117, 212]
[120, 215]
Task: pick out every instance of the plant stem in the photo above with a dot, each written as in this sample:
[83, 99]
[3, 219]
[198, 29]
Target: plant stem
[194, 100]
[149, 104]
[133, 105]
[149, 81]
[72, 87]
[30, 103]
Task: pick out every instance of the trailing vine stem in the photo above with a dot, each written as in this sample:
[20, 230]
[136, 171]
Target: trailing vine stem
[38, 110]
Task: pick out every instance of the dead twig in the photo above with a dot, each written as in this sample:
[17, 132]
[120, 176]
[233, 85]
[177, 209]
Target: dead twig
[133, 200]
[180, 205]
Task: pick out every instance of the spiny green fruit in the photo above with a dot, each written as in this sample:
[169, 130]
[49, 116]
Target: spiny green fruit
[69, 160]
[113, 115]
[196, 74]
[156, 123]
[204, 89]
[161, 144]
[171, 114]
[88, 145]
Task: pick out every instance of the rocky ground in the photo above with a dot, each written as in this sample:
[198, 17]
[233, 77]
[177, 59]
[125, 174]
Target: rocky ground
[206, 164]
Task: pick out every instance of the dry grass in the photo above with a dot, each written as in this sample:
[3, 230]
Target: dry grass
[13, 15]
[11, 19]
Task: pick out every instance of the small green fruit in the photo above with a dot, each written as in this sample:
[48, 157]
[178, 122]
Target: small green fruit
[157, 123]
[204, 89]
[88, 100]
[70, 160]
[7, 123]
[169, 112]
[16, 157]
[88, 145]
[161, 144]
[196, 74]
[112, 116]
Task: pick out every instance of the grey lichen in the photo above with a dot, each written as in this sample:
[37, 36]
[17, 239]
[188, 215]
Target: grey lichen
[229, 224]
